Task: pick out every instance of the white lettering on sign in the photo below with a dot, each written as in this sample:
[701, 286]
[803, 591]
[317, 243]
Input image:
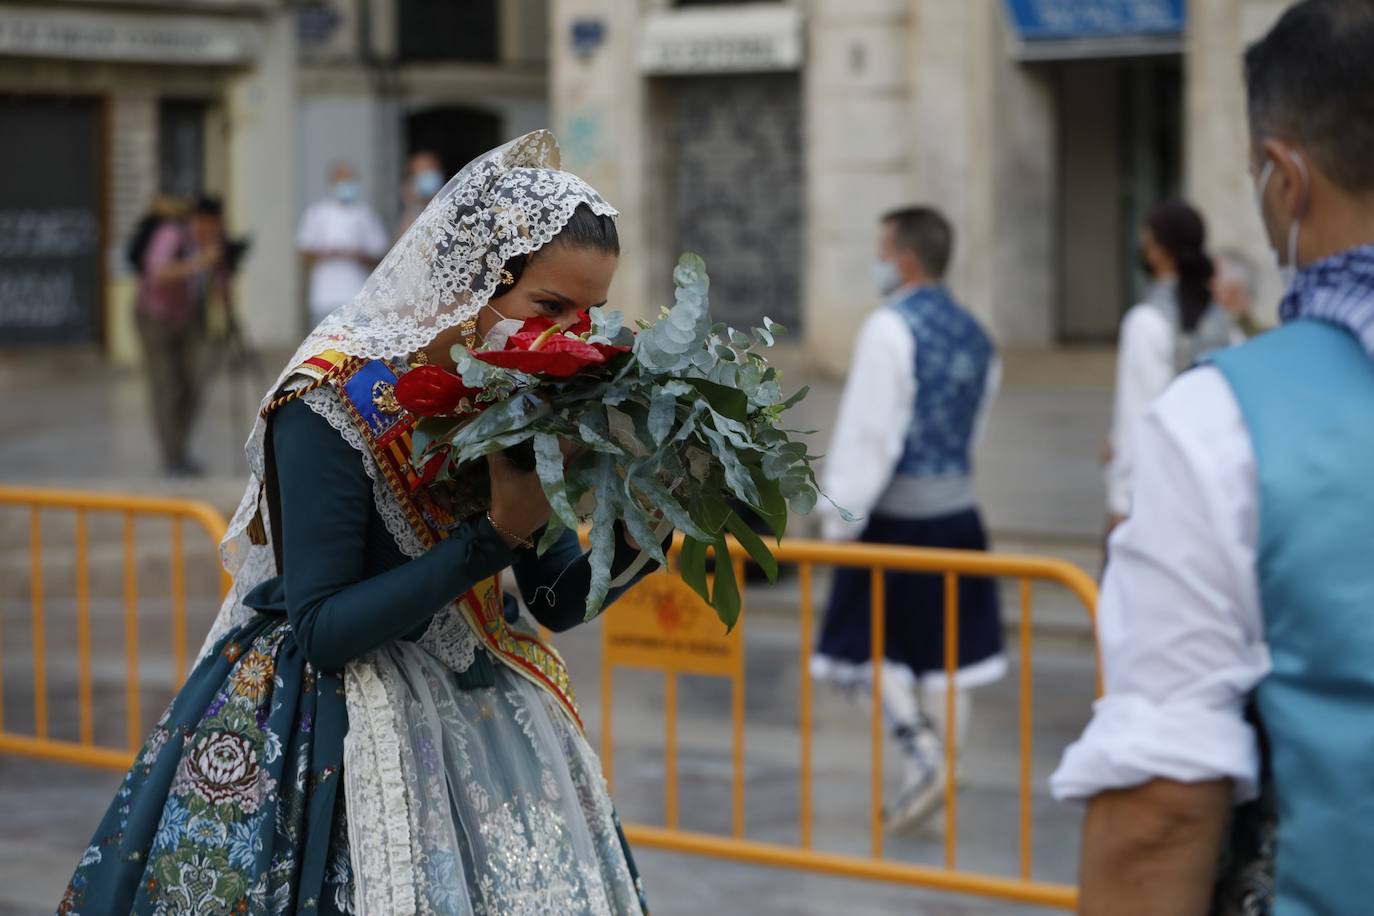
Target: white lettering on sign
[127, 36]
[30, 299]
[1105, 15]
[57, 233]
[722, 40]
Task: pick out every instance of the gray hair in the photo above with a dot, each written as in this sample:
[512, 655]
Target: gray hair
[1238, 264]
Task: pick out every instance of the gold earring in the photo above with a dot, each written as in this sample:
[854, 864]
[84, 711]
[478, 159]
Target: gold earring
[469, 331]
[507, 278]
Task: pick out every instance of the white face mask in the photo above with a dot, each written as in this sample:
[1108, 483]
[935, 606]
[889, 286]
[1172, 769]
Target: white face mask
[1288, 268]
[886, 278]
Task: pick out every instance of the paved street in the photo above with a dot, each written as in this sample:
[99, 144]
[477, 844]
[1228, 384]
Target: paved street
[1042, 492]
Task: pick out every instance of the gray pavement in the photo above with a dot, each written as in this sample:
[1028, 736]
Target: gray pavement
[71, 423]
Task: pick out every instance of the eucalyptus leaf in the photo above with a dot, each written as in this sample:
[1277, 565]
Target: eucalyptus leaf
[662, 413]
[641, 528]
[552, 532]
[682, 520]
[548, 458]
[603, 534]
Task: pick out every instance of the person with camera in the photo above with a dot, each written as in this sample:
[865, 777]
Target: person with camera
[182, 266]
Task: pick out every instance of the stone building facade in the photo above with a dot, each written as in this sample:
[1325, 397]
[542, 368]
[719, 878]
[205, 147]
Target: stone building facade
[771, 135]
[381, 79]
[103, 104]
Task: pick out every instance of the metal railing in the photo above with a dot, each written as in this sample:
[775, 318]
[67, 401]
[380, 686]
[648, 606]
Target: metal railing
[633, 636]
[700, 648]
[82, 504]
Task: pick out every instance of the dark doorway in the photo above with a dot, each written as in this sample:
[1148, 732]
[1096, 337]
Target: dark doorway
[51, 221]
[456, 135]
[737, 192]
[1120, 153]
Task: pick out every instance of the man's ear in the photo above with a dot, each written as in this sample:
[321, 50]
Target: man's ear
[909, 265]
[1291, 171]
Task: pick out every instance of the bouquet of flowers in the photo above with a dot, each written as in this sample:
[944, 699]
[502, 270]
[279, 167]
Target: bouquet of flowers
[655, 429]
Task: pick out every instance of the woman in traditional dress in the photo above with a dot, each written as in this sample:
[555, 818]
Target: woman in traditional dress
[367, 730]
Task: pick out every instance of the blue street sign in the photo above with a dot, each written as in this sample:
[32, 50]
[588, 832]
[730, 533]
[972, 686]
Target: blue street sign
[1037, 20]
[587, 35]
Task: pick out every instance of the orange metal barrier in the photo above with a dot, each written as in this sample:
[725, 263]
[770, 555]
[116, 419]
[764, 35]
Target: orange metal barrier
[633, 636]
[662, 625]
[81, 503]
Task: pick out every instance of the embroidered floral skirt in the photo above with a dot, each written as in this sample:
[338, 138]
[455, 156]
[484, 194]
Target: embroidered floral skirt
[236, 801]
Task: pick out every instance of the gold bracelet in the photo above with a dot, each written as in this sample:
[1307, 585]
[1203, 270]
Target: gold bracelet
[519, 541]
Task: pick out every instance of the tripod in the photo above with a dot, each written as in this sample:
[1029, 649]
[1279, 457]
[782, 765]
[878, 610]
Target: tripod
[233, 354]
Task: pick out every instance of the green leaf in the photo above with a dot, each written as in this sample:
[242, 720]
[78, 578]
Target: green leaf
[595, 431]
[737, 475]
[725, 595]
[548, 463]
[552, 532]
[795, 399]
[728, 402]
[603, 534]
[639, 526]
[647, 480]
[691, 566]
[750, 541]
[772, 507]
[674, 339]
[662, 413]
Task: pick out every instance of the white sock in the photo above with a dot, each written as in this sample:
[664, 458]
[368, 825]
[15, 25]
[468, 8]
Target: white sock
[933, 700]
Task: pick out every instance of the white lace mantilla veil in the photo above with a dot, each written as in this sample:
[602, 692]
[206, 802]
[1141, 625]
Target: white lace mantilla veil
[402, 826]
[511, 201]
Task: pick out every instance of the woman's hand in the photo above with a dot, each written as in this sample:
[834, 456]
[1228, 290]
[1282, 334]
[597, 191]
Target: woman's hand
[518, 504]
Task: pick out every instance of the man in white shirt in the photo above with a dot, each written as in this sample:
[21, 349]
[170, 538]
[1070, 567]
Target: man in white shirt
[1237, 617]
[901, 460]
[342, 239]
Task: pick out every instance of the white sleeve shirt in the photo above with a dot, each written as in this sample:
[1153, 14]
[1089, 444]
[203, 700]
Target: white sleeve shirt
[876, 412]
[1179, 622]
[870, 432]
[1145, 366]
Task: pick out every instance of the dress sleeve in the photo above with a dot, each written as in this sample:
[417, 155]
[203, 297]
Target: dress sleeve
[1179, 624]
[875, 415]
[336, 612]
[555, 585]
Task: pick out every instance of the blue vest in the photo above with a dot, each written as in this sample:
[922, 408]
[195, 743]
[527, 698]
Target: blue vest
[1306, 393]
[953, 355]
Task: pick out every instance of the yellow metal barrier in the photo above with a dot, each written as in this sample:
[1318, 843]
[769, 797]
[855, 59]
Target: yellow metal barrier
[82, 504]
[633, 636]
[662, 625]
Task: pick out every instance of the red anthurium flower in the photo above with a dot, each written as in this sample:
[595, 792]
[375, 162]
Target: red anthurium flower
[541, 347]
[558, 356]
[429, 391]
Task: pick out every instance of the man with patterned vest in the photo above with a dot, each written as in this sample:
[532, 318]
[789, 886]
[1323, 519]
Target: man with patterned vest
[1237, 616]
[901, 460]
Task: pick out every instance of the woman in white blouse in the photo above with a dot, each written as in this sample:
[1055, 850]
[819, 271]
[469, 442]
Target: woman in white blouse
[1171, 330]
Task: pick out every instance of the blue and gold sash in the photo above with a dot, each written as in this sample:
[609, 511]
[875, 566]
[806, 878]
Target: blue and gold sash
[367, 389]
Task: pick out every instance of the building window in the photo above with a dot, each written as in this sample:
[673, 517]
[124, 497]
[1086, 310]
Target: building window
[442, 30]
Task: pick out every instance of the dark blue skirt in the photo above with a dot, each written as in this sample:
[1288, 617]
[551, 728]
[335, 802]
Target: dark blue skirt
[915, 602]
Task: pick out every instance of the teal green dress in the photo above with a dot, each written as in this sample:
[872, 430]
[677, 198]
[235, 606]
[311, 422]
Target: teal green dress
[235, 803]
